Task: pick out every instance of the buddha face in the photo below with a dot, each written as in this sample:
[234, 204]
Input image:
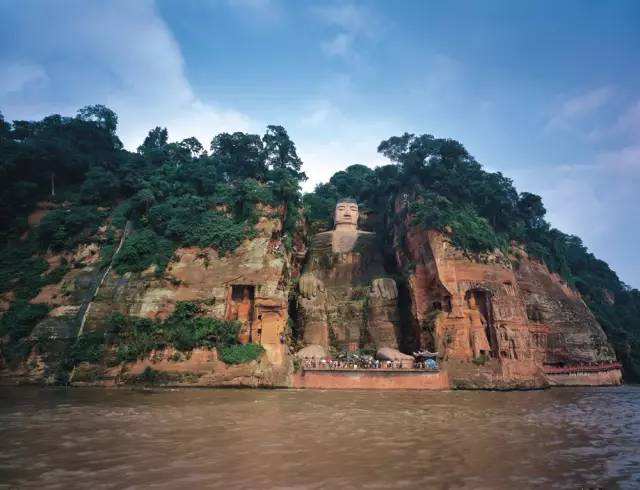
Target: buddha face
[472, 302]
[346, 214]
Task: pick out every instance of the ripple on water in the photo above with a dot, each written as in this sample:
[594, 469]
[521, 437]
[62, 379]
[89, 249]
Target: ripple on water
[319, 439]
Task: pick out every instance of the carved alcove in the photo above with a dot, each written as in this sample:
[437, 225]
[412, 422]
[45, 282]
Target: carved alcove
[483, 301]
[241, 307]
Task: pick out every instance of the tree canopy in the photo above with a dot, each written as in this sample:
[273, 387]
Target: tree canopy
[177, 193]
[448, 190]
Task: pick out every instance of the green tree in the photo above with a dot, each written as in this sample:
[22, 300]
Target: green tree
[280, 151]
[100, 186]
[100, 115]
[239, 156]
[284, 172]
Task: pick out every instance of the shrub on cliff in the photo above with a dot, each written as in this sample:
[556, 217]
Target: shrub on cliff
[16, 324]
[185, 330]
[18, 321]
[240, 353]
[209, 332]
[89, 347]
[142, 250]
[23, 272]
[468, 230]
[65, 227]
[218, 231]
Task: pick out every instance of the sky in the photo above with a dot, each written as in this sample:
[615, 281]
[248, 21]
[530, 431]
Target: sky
[546, 92]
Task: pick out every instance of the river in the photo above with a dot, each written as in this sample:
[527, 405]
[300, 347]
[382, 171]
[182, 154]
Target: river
[182, 438]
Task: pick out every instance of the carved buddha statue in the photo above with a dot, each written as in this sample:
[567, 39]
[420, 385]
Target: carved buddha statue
[345, 299]
[477, 330]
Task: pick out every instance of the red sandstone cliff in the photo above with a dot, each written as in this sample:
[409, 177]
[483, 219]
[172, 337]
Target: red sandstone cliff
[260, 265]
[496, 321]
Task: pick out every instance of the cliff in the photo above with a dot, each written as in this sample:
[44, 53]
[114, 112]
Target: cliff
[179, 266]
[497, 321]
[83, 303]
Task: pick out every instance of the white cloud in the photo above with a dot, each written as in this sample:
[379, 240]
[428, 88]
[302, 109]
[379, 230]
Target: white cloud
[121, 54]
[349, 17]
[16, 76]
[629, 120]
[573, 109]
[324, 158]
[253, 4]
[351, 22]
[318, 114]
[329, 139]
[596, 201]
[624, 162]
[340, 45]
[443, 71]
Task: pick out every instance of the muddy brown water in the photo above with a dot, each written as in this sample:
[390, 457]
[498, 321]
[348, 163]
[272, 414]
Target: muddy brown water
[97, 438]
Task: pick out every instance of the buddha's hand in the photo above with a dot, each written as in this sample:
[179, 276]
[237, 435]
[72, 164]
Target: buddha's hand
[384, 288]
[310, 285]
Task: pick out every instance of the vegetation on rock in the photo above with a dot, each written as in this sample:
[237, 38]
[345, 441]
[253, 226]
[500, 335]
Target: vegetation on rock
[16, 324]
[446, 189]
[185, 330]
[240, 354]
[173, 193]
[132, 338]
[179, 194]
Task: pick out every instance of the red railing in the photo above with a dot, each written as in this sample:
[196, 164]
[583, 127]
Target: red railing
[583, 368]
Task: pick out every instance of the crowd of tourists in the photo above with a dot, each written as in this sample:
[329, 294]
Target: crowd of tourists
[368, 363]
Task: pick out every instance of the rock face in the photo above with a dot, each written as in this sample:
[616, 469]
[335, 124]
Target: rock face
[313, 351]
[251, 284]
[345, 301]
[169, 367]
[496, 321]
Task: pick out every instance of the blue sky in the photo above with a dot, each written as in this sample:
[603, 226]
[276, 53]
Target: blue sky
[546, 92]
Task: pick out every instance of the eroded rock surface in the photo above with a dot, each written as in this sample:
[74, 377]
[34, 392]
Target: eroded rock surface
[495, 321]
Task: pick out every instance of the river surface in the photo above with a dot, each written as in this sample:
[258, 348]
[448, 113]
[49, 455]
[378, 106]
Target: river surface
[108, 438]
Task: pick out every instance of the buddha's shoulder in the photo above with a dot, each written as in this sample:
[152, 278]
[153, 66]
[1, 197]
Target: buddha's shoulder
[366, 236]
[326, 236]
[322, 238]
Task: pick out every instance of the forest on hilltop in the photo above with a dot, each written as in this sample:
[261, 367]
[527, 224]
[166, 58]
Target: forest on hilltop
[179, 193]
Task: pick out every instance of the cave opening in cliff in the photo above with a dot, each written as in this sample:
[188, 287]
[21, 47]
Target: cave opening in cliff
[240, 306]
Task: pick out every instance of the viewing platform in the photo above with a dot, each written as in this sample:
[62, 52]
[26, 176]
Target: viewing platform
[372, 370]
[592, 374]
[382, 378]
[583, 368]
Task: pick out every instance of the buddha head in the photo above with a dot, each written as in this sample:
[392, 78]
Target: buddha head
[346, 215]
[472, 302]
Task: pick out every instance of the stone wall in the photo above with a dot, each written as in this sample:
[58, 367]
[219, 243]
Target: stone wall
[605, 378]
[371, 380]
[203, 276]
[168, 367]
[495, 320]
